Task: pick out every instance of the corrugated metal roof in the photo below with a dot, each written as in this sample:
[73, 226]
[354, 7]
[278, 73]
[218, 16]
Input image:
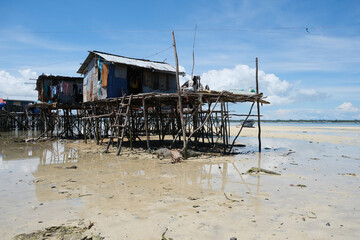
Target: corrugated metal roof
[158, 66]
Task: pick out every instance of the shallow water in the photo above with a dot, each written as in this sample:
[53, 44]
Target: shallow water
[40, 188]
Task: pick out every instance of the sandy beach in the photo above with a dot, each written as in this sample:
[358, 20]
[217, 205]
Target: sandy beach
[140, 196]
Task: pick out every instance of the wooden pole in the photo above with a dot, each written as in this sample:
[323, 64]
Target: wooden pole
[258, 104]
[97, 127]
[84, 126]
[179, 95]
[146, 123]
[223, 127]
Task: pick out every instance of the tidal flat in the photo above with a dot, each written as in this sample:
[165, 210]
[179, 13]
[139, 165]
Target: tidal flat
[139, 196]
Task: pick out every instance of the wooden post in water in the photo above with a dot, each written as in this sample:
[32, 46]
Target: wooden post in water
[258, 104]
[179, 95]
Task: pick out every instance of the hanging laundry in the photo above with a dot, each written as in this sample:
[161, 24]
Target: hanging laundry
[74, 90]
[105, 73]
[100, 65]
[46, 90]
[53, 91]
[62, 87]
[99, 89]
[66, 88]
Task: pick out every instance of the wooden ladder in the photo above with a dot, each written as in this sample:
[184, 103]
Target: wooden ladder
[120, 124]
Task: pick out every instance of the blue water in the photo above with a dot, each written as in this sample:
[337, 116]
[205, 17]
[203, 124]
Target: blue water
[304, 124]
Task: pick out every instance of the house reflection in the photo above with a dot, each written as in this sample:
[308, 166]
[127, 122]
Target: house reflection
[47, 152]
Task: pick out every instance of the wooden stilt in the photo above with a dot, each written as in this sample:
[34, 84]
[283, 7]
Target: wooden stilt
[146, 123]
[258, 105]
[179, 97]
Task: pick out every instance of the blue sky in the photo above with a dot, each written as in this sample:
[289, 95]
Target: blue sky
[309, 51]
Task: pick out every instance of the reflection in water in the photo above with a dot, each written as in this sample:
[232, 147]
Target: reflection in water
[117, 175]
[131, 181]
[258, 177]
[58, 153]
[46, 152]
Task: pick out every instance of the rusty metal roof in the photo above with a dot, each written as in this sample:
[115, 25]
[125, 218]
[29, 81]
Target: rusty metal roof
[142, 63]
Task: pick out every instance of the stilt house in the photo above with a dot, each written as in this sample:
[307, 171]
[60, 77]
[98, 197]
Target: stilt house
[12, 105]
[65, 90]
[110, 76]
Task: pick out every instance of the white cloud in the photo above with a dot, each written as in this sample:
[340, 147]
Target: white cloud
[279, 92]
[347, 107]
[15, 87]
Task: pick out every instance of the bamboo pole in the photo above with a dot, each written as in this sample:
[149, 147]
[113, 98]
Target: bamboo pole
[179, 96]
[258, 105]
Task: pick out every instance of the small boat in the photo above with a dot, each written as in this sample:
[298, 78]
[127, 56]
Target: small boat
[249, 123]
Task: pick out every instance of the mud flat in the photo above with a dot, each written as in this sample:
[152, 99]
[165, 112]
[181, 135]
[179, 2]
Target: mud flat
[138, 195]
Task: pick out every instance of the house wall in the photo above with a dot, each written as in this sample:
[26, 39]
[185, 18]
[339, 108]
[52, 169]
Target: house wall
[158, 82]
[117, 82]
[91, 82]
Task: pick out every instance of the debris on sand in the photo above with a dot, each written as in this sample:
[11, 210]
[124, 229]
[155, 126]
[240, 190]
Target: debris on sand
[299, 185]
[348, 174]
[176, 156]
[163, 235]
[191, 153]
[163, 153]
[311, 215]
[58, 233]
[70, 167]
[192, 198]
[233, 200]
[255, 170]
[167, 153]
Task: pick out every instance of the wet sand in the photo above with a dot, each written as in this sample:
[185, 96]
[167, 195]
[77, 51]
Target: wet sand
[139, 196]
